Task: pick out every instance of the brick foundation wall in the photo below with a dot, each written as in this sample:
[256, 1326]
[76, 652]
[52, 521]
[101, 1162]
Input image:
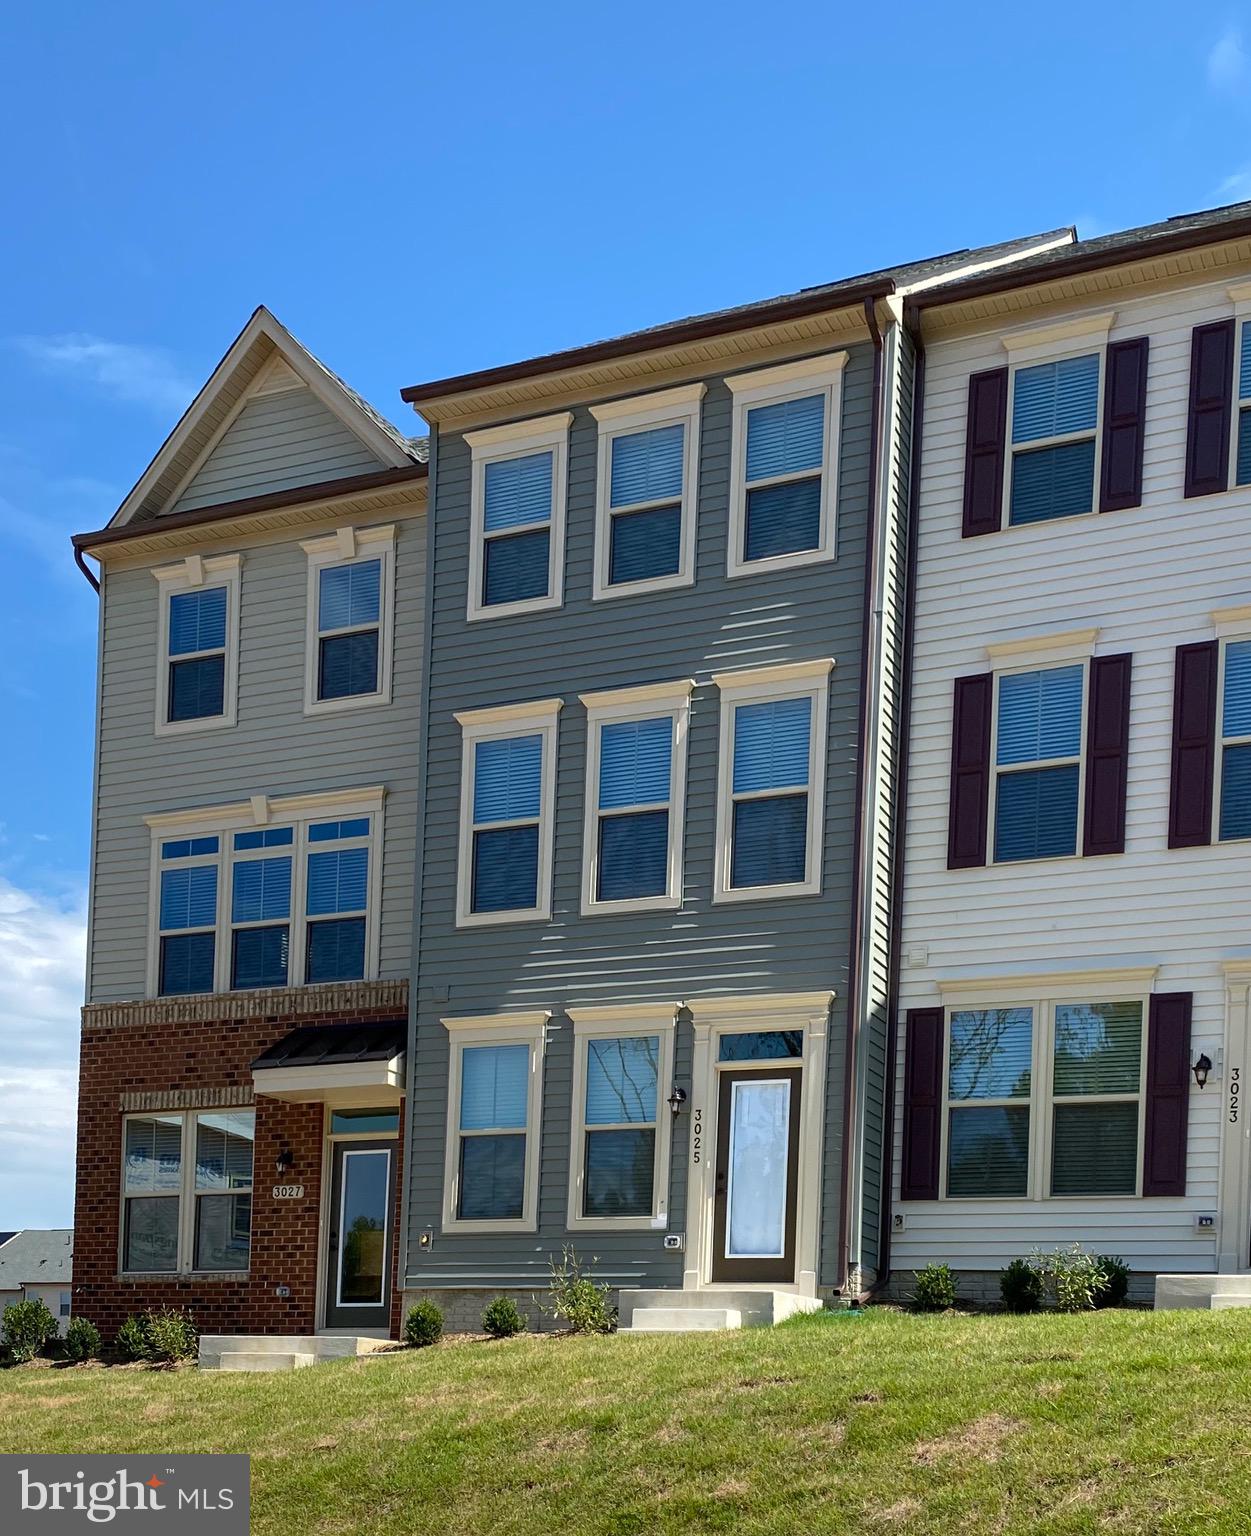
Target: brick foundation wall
[154, 1055]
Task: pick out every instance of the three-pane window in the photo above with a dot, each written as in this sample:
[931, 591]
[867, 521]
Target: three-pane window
[1235, 757]
[620, 1125]
[493, 1116]
[1055, 416]
[1038, 752]
[349, 608]
[197, 655]
[187, 1191]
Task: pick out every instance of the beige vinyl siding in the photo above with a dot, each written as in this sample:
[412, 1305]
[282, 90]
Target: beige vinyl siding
[1148, 578]
[277, 441]
[275, 749]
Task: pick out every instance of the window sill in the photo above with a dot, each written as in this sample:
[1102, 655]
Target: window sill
[512, 610]
[617, 1224]
[468, 1228]
[495, 919]
[278, 986]
[194, 727]
[643, 588]
[634, 904]
[737, 568]
[165, 1276]
[314, 707]
[766, 892]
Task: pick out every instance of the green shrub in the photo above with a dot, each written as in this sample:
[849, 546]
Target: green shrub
[82, 1340]
[578, 1300]
[1072, 1278]
[1021, 1286]
[936, 1289]
[171, 1335]
[423, 1325]
[131, 1342]
[502, 1319]
[1115, 1289]
[27, 1327]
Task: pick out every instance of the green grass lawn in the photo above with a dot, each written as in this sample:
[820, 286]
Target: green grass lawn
[1116, 1421]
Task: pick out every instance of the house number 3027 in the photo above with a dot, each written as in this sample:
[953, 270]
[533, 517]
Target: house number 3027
[697, 1135]
[288, 1191]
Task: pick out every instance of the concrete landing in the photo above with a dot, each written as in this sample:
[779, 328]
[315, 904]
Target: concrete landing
[280, 1352]
[674, 1311]
[1215, 1293]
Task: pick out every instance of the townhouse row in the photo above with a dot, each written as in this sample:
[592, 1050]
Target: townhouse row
[762, 800]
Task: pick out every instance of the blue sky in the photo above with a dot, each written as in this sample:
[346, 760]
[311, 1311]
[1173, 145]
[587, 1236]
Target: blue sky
[419, 190]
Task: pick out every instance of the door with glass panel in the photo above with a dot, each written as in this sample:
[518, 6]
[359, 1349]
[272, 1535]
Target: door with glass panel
[757, 1174]
[358, 1275]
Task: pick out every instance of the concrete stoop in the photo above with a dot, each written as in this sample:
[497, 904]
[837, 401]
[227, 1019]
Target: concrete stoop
[673, 1311]
[280, 1352]
[1215, 1293]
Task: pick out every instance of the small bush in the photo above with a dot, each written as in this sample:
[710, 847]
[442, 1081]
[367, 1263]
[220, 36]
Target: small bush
[1021, 1286]
[170, 1335]
[131, 1342]
[82, 1340]
[578, 1300]
[936, 1289]
[423, 1325]
[502, 1319]
[1072, 1278]
[1115, 1289]
[27, 1327]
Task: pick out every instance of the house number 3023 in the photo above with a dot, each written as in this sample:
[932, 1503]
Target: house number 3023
[1235, 1089]
[697, 1135]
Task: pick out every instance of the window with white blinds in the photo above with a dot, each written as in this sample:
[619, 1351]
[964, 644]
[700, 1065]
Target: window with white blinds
[198, 650]
[1038, 762]
[1234, 815]
[187, 1191]
[517, 517]
[1055, 419]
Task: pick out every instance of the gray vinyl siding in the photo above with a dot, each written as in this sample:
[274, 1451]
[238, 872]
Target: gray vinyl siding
[277, 442]
[789, 945]
[274, 749]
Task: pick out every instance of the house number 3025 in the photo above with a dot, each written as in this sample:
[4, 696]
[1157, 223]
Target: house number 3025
[697, 1135]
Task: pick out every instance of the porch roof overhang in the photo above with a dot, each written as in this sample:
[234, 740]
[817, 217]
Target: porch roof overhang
[344, 1064]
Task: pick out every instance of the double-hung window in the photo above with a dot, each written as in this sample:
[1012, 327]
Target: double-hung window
[508, 771]
[635, 792]
[197, 665]
[1039, 719]
[494, 1099]
[619, 1156]
[351, 594]
[1242, 438]
[289, 899]
[1044, 1099]
[187, 914]
[1055, 447]
[1234, 817]
[646, 492]
[771, 783]
[784, 460]
[187, 1191]
[517, 516]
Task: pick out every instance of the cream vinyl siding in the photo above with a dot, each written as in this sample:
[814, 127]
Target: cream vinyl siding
[1148, 578]
[274, 749]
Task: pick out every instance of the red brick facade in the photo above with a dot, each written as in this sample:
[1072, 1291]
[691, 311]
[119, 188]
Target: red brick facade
[164, 1061]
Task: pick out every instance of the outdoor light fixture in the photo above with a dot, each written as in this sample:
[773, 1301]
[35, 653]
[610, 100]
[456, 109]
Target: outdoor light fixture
[1201, 1069]
[676, 1099]
[284, 1160]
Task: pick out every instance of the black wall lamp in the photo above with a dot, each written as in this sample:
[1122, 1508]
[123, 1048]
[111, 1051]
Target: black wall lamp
[284, 1160]
[1201, 1069]
[676, 1099]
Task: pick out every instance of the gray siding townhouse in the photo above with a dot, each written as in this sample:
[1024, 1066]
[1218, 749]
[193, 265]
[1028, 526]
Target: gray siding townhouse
[664, 644]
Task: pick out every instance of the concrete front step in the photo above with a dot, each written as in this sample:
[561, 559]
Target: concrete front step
[262, 1360]
[1201, 1292]
[683, 1319]
[306, 1349]
[753, 1308]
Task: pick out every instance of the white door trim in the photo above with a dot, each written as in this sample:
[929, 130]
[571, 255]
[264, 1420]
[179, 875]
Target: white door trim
[1234, 1238]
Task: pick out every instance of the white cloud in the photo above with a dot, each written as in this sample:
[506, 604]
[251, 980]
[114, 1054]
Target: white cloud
[1227, 60]
[42, 949]
[1236, 188]
[137, 374]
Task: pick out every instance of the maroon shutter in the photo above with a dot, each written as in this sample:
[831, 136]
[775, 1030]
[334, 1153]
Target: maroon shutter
[984, 440]
[1211, 406]
[1168, 1095]
[970, 772]
[1107, 755]
[922, 1108]
[1124, 421]
[1194, 745]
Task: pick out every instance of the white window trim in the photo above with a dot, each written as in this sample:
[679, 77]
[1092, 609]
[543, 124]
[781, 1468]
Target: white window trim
[627, 1022]
[223, 821]
[1043, 1001]
[651, 701]
[1231, 631]
[495, 1029]
[769, 386]
[187, 1194]
[1074, 657]
[1075, 338]
[762, 685]
[515, 441]
[622, 418]
[350, 546]
[191, 575]
[536, 718]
